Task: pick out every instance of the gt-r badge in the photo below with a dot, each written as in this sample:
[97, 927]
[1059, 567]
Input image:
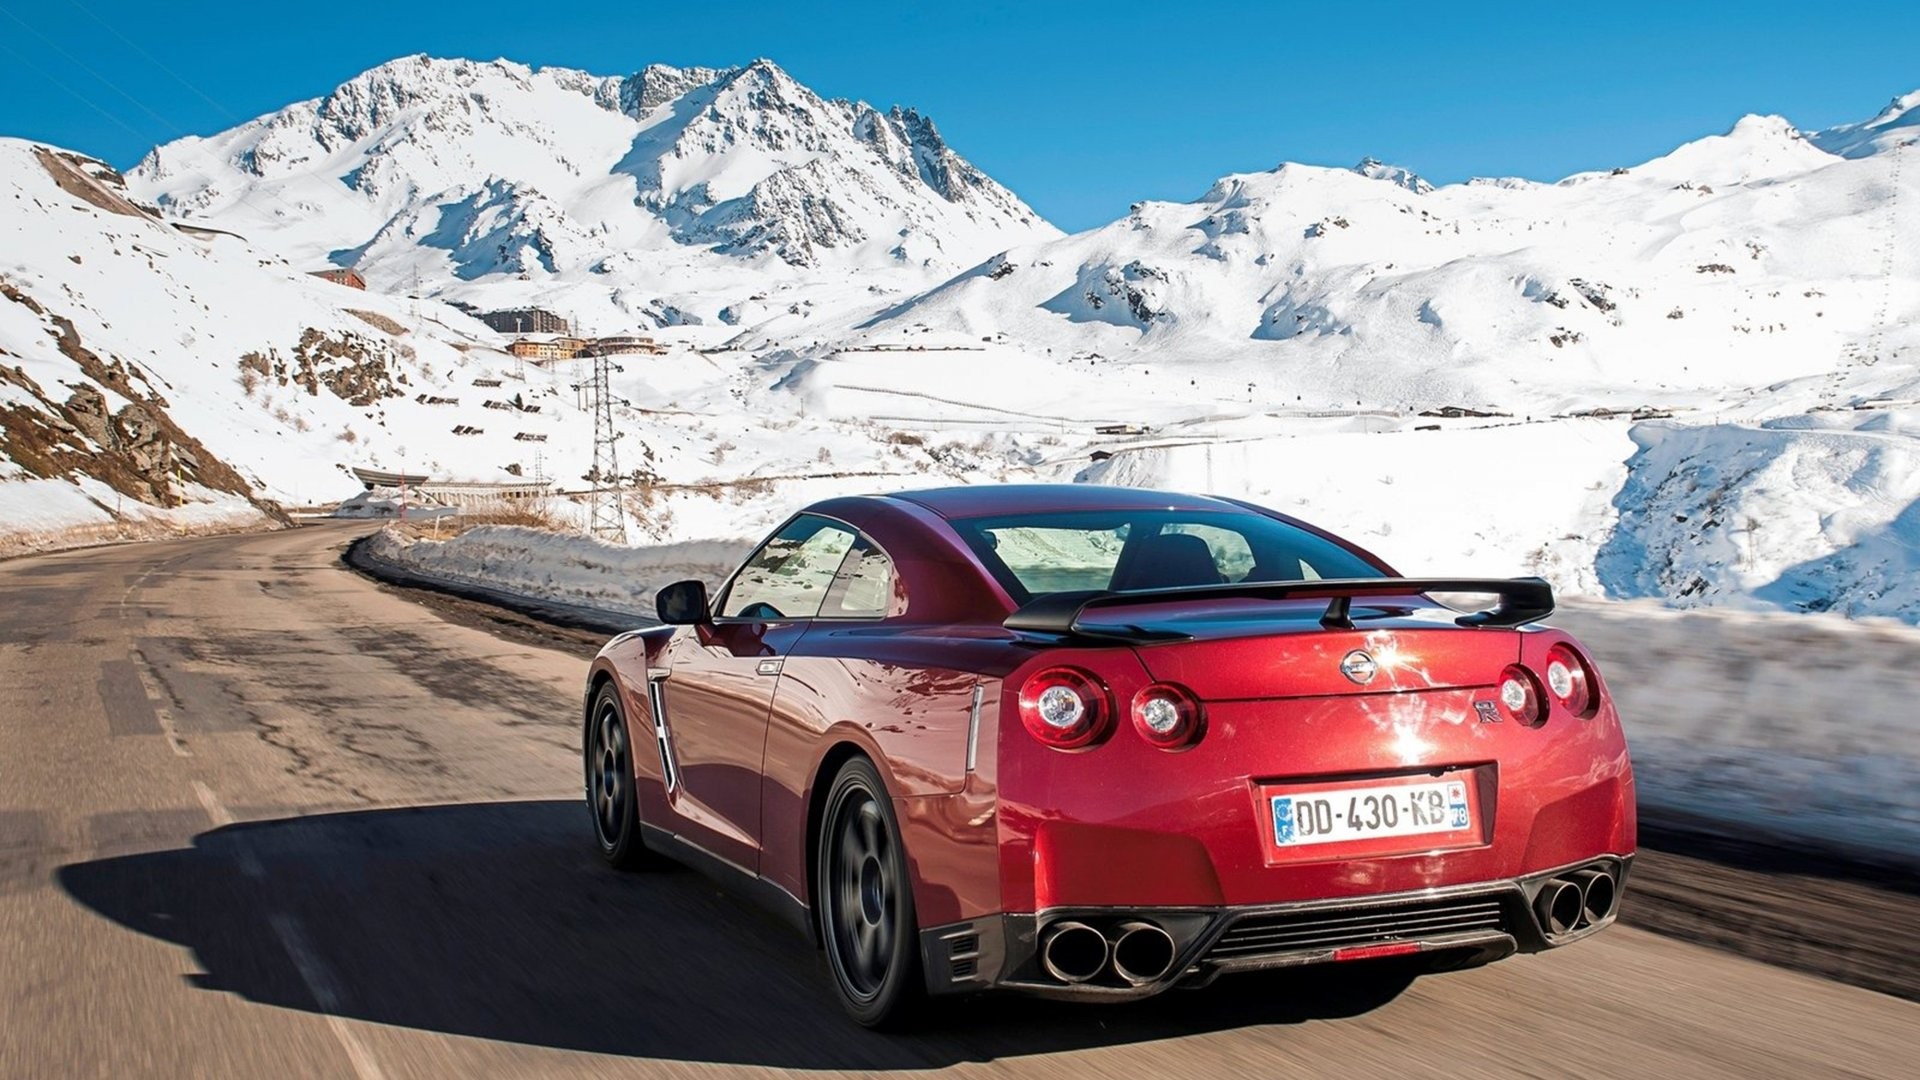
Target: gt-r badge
[1359, 667]
[1489, 713]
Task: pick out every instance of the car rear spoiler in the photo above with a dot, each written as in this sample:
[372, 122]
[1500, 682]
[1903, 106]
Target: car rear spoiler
[1522, 601]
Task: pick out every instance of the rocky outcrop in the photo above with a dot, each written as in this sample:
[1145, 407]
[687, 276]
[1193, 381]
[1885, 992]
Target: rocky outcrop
[358, 370]
[113, 428]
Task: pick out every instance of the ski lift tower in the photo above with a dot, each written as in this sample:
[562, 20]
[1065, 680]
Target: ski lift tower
[606, 516]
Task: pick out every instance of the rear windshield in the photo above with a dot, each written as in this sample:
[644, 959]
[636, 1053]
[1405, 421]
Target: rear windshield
[1129, 550]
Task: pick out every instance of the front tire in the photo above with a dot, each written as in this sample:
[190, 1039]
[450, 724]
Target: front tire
[864, 901]
[611, 796]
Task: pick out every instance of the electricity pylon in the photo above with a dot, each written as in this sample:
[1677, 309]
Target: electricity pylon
[606, 516]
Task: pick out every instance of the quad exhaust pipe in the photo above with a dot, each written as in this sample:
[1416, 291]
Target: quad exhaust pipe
[1597, 894]
[1073, 952]
[1559, 906]
[1142, 952]
[1577, 901]
[1135, 951]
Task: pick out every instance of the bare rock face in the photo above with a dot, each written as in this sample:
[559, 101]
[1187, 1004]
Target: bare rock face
[145, 443]
[137, 451]
[358, 370]
[87, 411]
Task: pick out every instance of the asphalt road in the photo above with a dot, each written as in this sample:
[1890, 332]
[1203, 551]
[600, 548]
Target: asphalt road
[260, 817]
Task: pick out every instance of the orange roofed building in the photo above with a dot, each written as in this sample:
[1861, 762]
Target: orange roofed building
[341, 275]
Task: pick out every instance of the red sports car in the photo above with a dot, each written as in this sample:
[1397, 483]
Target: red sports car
[1099, 742]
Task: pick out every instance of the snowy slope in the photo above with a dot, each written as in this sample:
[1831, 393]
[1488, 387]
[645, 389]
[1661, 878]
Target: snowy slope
[1696, 378]
[1699, 278]
[1896, 125]
[1287, 336]
[278, 382]
[613, 198]
[287, 378]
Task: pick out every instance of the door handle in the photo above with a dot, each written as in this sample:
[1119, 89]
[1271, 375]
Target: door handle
[769, 667]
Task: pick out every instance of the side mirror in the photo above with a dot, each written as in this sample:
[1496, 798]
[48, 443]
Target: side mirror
[683, 603]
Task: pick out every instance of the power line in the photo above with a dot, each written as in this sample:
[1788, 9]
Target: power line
[82, 98]
[170, 129]
[154, 60]
[166, 125]
[245, 197]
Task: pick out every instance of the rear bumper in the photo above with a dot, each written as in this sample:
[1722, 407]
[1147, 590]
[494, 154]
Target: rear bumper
[1456, 926]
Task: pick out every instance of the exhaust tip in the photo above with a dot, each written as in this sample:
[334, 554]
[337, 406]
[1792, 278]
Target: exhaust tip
[1559, 906]
[1598, 894]
[1073, 952]
[1142, 952]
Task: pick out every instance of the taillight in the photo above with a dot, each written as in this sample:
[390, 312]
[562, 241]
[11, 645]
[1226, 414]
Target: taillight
[1065, 707]
[1520, 696]
[1570, 681]
[1168, 716]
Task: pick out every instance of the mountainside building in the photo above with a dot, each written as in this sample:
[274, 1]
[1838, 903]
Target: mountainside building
[341, 275]
[546, 349]
[526, 321]
[625, 346]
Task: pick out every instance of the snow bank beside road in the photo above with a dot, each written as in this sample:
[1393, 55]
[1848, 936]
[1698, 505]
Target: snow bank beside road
[551, 566]
[49, 515]
[1797, 727]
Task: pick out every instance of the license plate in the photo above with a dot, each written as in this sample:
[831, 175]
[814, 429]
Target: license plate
[1366, 813]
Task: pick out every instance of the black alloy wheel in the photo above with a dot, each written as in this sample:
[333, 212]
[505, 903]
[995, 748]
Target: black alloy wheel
[610, 786]
[865, 901]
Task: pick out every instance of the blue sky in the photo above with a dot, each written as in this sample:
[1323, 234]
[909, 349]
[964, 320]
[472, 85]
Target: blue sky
[1080, 108]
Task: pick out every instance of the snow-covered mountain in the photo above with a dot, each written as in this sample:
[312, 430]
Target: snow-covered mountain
[684, 188]
[1696, 377]
[1896, 125]
[157, 375]
[1710, 274]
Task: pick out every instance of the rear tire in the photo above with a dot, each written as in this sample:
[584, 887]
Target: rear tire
[864, 902]
[612, 798]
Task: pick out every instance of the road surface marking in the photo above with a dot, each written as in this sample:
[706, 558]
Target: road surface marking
[143, 670]
[221, 818]
[212, 804]
[320, 984]
[127, 597]
[293, 938]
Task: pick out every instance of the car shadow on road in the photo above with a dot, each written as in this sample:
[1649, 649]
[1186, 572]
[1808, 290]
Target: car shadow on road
[496, 920]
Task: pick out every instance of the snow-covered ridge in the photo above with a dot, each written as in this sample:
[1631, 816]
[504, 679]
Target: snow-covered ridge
[1607, 380]
[1896, 125]
[1732, 264]
[431, 174]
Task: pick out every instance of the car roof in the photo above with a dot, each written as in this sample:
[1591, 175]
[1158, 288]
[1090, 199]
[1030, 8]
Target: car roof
[980, 500]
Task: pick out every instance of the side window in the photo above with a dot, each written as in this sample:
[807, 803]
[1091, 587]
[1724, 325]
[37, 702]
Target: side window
[1232, 556]
[790, 574]
[864, 588]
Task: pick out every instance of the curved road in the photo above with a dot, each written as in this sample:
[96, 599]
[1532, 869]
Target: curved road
[259, 817]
